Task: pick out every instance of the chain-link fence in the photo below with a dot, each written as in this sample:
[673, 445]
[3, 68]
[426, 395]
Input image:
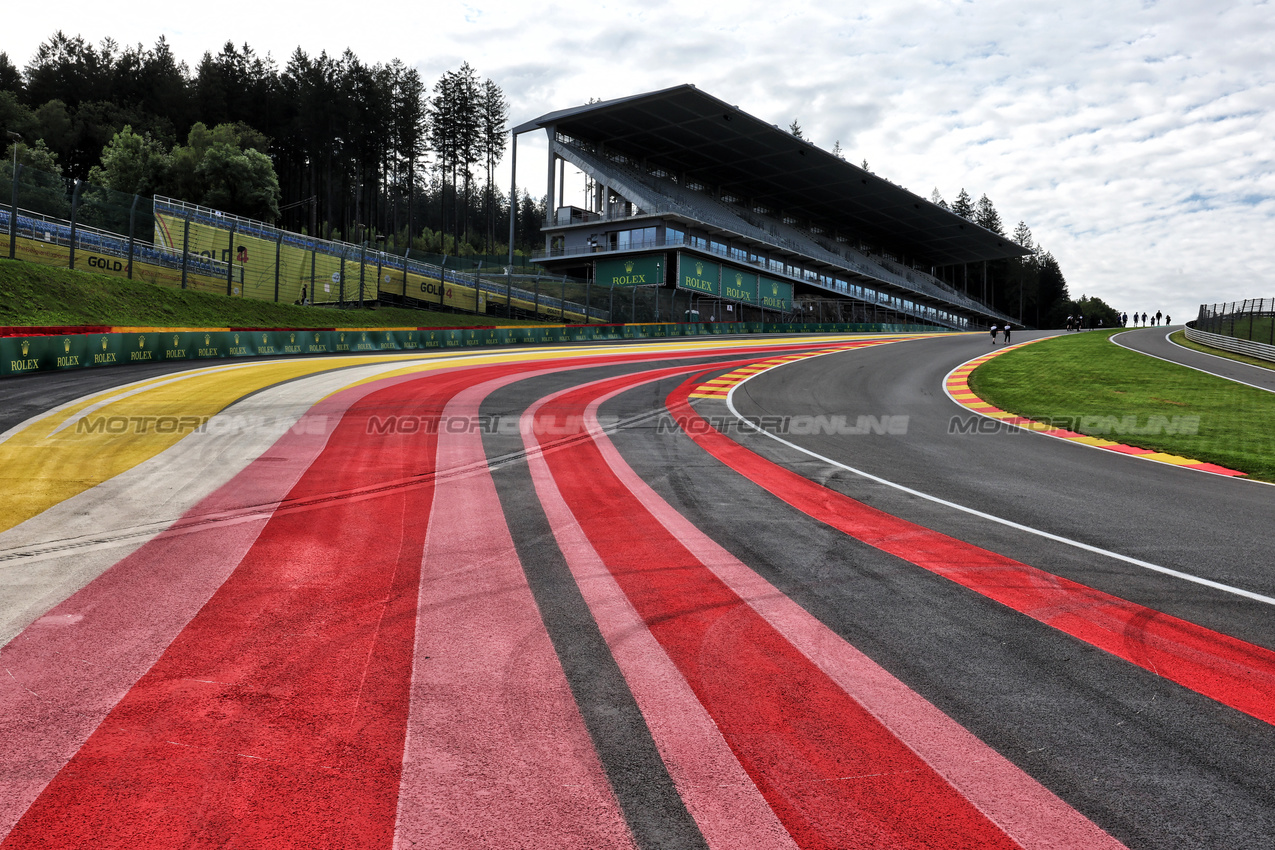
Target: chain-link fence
[75, 224]
[1253, 319]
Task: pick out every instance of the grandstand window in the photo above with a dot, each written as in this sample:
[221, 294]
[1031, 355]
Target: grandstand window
[699, 242]
[738, 253]
[674, 236]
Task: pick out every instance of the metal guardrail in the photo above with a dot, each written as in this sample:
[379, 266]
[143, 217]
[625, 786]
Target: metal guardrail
[1251, 348]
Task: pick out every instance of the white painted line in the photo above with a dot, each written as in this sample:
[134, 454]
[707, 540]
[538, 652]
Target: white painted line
[1146, 565]
[1196, 368]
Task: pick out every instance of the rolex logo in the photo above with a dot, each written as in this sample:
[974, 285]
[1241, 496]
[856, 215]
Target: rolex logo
[66, 346]
[388, 336]
[141, 342]
[628, 267]
[292, 338]
[176, 340]
[364, 339]
[739, 280]
[103, 343]
[342, 337]
[699, 268]
[316, 337]
[236, 339]
[207, 339]
[26, 348]
[774, 289]
[264, 339]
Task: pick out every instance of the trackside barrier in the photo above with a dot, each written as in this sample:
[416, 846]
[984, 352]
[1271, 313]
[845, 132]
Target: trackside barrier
[1252, 348]
[28, 350]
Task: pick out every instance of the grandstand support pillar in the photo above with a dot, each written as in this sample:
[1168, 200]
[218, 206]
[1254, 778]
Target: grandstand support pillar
[132, 228]
[550, 193]
[185, 248]
[75, 214]
[278, 249]
[230, 261]
[13, 207]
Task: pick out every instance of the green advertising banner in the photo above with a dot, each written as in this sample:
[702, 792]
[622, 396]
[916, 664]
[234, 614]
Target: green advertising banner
[23, 355]
[739, 285]
[698, 275]
[776, 294]
[643, 270]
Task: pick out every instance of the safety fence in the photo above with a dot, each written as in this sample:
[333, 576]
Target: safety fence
[1248, 347]
[1253, 319]
[30, 350]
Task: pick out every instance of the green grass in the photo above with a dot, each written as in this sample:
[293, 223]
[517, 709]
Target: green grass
[1180, 338]
[41, 296]
[1068, 378]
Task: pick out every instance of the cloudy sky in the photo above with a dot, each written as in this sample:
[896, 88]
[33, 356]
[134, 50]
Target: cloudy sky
[1135, 139]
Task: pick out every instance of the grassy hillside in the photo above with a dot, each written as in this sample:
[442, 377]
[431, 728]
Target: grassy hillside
[1093, 386]
[36, 295]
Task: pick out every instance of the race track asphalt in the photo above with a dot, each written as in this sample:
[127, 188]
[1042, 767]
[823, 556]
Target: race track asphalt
[563, 598]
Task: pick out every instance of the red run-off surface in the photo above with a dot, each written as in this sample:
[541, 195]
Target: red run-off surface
[372, 671]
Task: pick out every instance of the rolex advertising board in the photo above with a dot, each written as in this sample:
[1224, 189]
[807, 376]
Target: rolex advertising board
[644, 270]
[739, 285]
[698, 275]
[776, 294]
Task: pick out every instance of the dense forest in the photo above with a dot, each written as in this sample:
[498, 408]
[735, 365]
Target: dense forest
[325, 144]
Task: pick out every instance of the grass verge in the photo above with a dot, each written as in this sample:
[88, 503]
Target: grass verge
[32, 295]
[1180, 338]
[1086, 384]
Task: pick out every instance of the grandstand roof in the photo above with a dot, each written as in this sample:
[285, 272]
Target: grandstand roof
[685, 131]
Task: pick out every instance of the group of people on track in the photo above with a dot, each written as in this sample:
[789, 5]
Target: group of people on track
[1157, 319]
[998, 330]
[1077, 322]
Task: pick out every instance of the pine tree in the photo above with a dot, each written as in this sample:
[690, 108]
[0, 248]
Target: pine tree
[985, 216]
[795, 129]
[837, 152]
[963, 206]
[937, 199]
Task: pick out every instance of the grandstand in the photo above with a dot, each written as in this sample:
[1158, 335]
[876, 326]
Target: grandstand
[687, 192]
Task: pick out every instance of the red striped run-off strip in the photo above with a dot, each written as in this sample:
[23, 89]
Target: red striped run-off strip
[834, 774]
[1231, 671]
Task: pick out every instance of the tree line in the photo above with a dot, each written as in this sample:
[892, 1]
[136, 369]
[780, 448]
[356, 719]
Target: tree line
[326, 144]
[1031, 289]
